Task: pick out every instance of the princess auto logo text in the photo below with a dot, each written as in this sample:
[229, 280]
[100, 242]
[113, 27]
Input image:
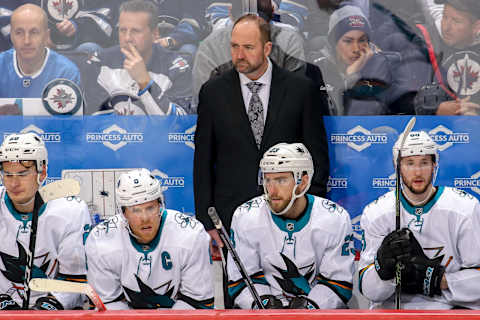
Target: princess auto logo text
[168, 182]
[114, 137]
[359, 138]
[186, 137]
[445, 138]
[384, 182]
[46, 136]
[472, 183]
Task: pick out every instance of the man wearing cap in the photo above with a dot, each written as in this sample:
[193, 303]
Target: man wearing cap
[457, 52]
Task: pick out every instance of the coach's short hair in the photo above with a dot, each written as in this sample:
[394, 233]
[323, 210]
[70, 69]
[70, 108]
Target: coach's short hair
[263, 26]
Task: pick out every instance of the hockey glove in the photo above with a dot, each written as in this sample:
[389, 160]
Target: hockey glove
[302, 302]
[269, 302]
[395, 247]
[47, 303]
[7, 303]
[421, 274]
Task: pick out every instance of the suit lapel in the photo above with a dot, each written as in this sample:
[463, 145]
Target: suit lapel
[277, 92]
[238, 108]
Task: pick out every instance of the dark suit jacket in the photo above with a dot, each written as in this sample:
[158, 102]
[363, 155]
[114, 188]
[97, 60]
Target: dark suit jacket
[226, 160]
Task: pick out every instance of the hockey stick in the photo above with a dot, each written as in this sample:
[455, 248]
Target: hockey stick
[51, 191]
[52, 285]
[399, 266]
[217, 222]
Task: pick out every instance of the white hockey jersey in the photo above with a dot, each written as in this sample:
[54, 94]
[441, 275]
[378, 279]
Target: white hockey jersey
[172, 271]
[446, 226]
[310, 256]
[63, 225]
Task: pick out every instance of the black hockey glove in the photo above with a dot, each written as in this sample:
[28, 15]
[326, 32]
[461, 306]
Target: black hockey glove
[421, 274]
[302, 302]
[7, 303]
[47, 303]
[395, 247]
[269, 302]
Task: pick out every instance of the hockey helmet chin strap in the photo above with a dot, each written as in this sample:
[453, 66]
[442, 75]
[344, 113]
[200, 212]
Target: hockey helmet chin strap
[292, 199]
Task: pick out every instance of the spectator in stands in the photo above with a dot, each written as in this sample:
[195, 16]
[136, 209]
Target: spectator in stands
[181, 24]
[450, 61]
[214, 58]
[139, 76]
[436, 241]
[88, 29]
[87, 26]
[358, 76]
[30, 65]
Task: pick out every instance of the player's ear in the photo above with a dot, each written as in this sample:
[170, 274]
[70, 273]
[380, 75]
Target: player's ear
[302, 184]
[43, 174]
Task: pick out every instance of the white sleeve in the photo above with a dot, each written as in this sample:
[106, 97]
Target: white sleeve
[370, 284]
[102, 276]
[154, 99]
[71, 252]
[464, 285]
[334, 281]
[435, 11]
[251, 260]
[196, 279]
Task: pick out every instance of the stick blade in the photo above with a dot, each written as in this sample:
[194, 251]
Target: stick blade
[408, 129]
[52, 285]
[59, 189]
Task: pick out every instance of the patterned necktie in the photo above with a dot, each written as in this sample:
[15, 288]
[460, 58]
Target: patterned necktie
[255, 112]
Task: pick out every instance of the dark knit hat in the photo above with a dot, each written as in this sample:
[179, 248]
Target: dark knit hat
[346, 19]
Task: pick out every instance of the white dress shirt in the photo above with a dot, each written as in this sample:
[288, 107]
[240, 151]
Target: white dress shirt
[263, 93]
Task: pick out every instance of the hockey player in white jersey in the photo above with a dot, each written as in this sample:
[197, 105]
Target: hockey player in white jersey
[147, 256]
[62, 228]
[296, 247]
[438, 242]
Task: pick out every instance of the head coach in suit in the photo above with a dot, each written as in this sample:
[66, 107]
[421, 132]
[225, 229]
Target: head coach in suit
[245, 111]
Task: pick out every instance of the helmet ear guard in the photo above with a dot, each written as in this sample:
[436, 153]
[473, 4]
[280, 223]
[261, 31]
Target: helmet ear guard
[284, 157]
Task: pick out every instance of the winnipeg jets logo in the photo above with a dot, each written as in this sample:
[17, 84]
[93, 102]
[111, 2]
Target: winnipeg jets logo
[60, 10]
[62, 98]
[463, 73]
[63, 7]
